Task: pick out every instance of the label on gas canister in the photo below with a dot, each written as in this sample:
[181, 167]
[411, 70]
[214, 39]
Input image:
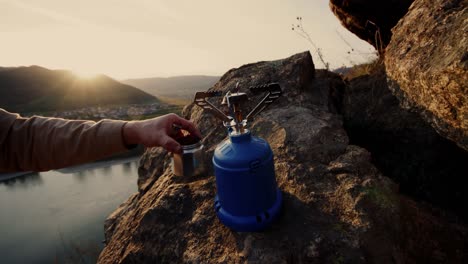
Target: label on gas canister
[254, 165]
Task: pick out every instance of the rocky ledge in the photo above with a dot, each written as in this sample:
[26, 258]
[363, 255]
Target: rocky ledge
[370, 20]
[338, 208]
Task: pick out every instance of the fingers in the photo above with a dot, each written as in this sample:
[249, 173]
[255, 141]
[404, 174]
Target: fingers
[171, 145]
[187, 125]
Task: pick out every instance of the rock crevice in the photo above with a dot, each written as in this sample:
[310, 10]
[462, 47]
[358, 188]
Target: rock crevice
[404, 146]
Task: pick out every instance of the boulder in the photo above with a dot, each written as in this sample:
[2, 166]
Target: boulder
[404, 147]
[427, 65]
[338, 208]
[370, 20]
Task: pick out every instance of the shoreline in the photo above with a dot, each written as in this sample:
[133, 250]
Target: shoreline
[12, 175]
[73, 169]
[97, 164]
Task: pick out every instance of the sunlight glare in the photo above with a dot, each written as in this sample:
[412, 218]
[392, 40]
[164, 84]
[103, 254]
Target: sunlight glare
[84, 74]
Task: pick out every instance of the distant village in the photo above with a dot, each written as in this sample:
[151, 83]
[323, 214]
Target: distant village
[132, 111]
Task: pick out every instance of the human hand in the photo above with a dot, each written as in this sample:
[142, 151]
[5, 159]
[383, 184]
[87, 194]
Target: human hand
[158, 132]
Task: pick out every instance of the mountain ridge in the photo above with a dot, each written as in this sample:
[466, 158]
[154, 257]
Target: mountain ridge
[34, 88]
[179, 87]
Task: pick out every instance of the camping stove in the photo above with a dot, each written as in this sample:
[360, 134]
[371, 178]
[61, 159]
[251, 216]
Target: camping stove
[248, 198]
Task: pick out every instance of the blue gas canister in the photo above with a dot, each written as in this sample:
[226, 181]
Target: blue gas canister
[248, 198]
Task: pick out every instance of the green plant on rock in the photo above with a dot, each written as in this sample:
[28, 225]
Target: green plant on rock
[364, 69]
[382, 197]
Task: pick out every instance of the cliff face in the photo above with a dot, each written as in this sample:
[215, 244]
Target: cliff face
[337, 206]
[370, 20]
[427, 65]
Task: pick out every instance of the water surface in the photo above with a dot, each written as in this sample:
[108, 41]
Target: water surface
[58, 216]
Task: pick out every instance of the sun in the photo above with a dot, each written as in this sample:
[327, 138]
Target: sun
[84, 74]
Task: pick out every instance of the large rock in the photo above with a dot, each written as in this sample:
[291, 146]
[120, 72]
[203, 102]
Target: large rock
[404, 147]
[427, 65]
[337, 208]
[370, 20]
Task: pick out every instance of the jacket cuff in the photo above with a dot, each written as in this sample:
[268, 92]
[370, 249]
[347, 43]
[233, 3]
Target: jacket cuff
[128, 146]
[115, 136]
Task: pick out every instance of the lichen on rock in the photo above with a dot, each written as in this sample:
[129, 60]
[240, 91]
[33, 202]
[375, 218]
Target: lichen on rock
[427, 65]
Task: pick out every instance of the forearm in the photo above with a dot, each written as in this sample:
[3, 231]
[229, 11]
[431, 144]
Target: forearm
[40, 144]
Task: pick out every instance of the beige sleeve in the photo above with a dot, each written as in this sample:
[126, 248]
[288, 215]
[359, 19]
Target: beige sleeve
[41, 143]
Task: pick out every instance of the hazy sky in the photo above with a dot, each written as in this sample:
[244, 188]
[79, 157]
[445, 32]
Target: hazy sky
[147, 38]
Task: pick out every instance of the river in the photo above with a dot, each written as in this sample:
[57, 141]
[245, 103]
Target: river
[58, 216]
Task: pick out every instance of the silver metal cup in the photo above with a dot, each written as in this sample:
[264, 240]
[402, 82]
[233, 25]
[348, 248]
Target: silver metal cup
[190, 161]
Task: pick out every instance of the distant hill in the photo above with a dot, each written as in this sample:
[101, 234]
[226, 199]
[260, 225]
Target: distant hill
[6, 68]
[342, 70]
[37, 89]
[178, 87]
